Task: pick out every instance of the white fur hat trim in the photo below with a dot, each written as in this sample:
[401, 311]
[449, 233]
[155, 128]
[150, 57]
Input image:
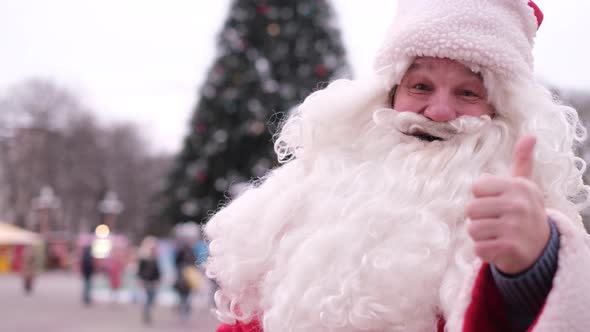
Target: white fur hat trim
[495, 34]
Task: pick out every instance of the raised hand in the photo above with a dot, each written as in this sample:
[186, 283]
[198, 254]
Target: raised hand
[508, 221]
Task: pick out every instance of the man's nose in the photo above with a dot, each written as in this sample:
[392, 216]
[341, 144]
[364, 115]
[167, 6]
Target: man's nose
[440, 109]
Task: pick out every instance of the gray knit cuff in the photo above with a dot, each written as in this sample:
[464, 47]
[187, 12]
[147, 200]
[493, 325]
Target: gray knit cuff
[525, 293]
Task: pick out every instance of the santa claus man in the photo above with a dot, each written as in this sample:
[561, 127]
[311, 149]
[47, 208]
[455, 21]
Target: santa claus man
[443, 194]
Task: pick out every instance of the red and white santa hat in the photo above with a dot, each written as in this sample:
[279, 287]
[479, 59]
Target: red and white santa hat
[494, 34]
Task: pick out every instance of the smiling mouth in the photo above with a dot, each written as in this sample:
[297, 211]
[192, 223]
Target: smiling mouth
[424, 136]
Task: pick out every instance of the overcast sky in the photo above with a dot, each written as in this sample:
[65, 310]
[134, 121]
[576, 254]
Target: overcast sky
[144, 60]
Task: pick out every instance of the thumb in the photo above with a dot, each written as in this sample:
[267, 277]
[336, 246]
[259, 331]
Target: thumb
[522, 157]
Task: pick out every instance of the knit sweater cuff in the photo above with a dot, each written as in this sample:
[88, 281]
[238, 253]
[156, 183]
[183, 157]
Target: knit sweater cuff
[525, 293]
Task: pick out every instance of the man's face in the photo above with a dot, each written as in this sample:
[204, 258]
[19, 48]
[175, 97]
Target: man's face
[441, 90]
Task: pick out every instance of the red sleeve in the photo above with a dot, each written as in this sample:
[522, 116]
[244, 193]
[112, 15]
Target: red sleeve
[252, 326]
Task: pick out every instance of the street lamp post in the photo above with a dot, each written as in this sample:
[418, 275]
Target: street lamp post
[43, 205]
[110, 207]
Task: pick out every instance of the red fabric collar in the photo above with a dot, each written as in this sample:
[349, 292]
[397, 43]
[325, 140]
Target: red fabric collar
[253, 326]
[486, 312]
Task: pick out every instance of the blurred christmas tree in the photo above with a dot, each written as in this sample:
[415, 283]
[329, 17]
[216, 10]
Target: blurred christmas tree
[271, 55]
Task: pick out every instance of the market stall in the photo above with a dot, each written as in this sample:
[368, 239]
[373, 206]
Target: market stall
[13, 241]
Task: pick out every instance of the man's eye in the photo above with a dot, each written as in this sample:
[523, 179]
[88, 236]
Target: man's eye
[469, 93]
[420, 86]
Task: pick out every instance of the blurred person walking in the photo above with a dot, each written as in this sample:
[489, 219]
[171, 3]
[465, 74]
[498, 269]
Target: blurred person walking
[29, 269]
[87, 270]
[116, 267]
[202, 253]
[185, 262]
[149, 274]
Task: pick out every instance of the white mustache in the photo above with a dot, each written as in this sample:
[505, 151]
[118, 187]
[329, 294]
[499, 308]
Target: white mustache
[410, 123]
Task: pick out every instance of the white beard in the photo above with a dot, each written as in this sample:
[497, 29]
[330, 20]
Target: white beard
[366, 236]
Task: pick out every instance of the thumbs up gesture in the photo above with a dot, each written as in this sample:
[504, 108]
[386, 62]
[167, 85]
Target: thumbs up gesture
[508, 221]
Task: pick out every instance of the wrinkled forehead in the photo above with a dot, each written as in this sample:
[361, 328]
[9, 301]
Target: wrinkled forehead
[453, 72]
[394, 74]
[431, 64]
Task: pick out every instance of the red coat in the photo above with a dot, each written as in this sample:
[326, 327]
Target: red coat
[479, 305]
[485, 313]
[255, 327]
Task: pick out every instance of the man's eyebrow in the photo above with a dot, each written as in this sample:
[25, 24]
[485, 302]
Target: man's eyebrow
[417, 66]
[476, 74]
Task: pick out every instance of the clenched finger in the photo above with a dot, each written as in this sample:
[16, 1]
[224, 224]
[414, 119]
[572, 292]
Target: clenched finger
[491, 185]
[484, 208]
[487, 250]
[484, 229]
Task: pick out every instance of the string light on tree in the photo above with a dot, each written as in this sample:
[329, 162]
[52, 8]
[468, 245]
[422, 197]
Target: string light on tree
[273, 29]
[271, 55]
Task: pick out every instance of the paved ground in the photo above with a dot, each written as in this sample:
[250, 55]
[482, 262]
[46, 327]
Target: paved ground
[55, 306]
